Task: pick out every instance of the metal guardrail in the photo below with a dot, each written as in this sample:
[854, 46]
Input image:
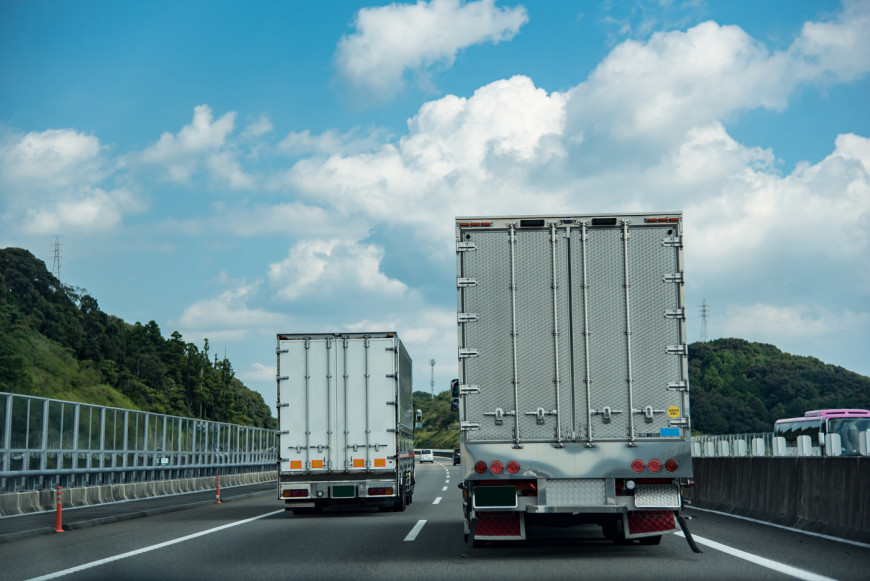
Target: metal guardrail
[46, 443]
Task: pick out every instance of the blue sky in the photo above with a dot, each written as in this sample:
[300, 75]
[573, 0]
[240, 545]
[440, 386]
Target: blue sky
[234, 170]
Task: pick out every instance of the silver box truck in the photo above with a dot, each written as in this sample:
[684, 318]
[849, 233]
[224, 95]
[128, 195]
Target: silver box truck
[346, 421]
[573, 388]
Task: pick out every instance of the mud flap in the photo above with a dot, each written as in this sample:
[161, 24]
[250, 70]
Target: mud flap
[639, 524]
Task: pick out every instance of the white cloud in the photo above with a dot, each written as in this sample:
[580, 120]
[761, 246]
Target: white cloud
[50, 160]
[257, 128]
[659, 89]
[328, 267]
[459, 155]
[92, 210]
[202, 143]
[780, 324]
[391, 40]
[228, 315]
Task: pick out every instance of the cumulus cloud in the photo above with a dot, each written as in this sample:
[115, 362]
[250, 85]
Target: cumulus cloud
[91, 210]
[228, 315]
[459, 154]
[392, 40]
[329, 267]
[678, 80]
[204, 143]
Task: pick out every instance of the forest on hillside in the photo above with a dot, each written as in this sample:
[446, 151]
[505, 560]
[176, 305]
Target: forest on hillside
[56, 342]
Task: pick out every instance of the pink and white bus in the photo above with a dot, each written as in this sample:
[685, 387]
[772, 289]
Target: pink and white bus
[848, 423]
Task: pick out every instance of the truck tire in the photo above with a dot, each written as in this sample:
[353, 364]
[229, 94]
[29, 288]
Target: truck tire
[401, 502]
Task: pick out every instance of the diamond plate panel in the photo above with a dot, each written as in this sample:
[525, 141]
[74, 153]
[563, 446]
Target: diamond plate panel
[576, 492]
[535, 326]
[491, 334]
[651, 331]
[607, 326]
[640, 523]
[501, 525]
[657, 496]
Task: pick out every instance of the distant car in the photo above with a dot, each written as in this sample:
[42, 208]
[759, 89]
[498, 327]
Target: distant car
[456, 456]
[426, 456]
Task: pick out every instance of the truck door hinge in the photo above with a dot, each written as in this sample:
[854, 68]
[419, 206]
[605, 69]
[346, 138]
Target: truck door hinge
[678, 349]
[467, 318]
[606, 412]
[466, 246]
[392, 376]
[465, 282]
[283, 459]
[466, 352]
[284, 432]
[679, 423]
[393, 430]
[279, 351]
[465, 389]
[283, 405]
[674, 277]
[676, 314]
[392, 403]
[467, 426]
[676, 241]
[679, 386]
[283, 378]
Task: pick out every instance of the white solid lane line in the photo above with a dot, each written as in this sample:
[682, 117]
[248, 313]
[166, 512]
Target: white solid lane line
[764, 562]
[151, 548]
[415, 531]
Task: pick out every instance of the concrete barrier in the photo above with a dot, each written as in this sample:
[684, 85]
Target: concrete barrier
[12, 503]
[823, 495]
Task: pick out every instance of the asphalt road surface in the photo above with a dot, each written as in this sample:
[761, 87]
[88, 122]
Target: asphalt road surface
[254, 538]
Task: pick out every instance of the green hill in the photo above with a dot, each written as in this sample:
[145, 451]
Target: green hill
[739, 387]
[56, 342]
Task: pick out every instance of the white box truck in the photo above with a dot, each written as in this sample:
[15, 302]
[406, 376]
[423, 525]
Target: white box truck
[573, 388]
[346, 421]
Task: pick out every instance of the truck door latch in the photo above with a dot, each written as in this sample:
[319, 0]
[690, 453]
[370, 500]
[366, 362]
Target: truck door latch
[540, 413]
[606, 412]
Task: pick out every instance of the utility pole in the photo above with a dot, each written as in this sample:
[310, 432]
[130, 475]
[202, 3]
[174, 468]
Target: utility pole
[432, 377]
[705, 311]
[55, 266]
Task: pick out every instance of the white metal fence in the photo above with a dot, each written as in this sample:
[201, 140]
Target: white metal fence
[46, 443]
[767, 445]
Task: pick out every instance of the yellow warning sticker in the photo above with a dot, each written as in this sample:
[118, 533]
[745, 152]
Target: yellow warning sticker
[674, 411]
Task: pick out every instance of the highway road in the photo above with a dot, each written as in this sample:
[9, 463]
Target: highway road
[254, 538]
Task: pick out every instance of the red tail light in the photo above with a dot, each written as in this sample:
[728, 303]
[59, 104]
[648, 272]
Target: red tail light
[513, 467]
[654, 465]
[480, 467]
[496, 467]
[295, 493]
[671, 465]
[637, 465]
[381, 491]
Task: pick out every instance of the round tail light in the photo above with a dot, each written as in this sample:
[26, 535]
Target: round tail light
[671, 465]
[496, 467]
[480, 467]
[654, 465]
[513, 467]
[637, 465]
